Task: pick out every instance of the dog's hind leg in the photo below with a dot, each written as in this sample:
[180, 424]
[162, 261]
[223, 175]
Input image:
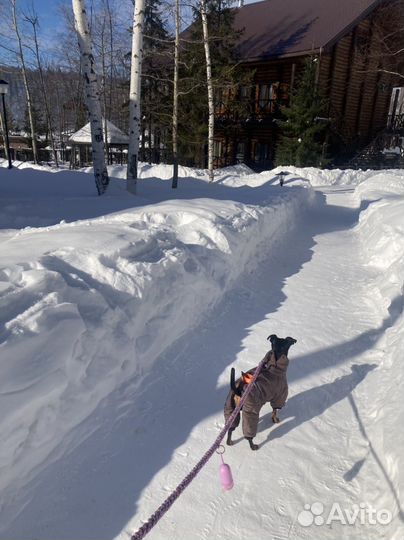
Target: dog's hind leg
[275, 417]
[228, 411]
[229, 441]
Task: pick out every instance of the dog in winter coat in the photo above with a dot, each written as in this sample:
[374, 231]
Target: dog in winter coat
[271, 386]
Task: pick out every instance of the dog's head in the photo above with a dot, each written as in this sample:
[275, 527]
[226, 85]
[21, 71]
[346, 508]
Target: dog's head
[281, 346]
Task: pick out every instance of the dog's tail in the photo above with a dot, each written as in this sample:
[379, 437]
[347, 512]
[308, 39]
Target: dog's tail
[233, 386]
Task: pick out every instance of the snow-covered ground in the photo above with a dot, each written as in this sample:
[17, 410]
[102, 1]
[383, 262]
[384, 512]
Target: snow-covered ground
[121, 317]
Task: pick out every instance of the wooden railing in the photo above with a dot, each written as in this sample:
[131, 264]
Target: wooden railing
[247, 111]
[396, 122]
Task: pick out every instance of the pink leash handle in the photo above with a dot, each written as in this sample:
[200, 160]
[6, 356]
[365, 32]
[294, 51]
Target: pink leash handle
[226, 478]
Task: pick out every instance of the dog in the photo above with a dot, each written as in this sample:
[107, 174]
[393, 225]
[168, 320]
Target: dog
[271, 386]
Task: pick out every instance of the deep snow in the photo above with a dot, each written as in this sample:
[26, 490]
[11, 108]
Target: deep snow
[122, 316]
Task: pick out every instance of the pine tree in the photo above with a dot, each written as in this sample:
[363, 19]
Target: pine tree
[303, 129]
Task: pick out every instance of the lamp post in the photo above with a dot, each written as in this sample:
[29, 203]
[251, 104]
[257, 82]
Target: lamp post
[3, 92]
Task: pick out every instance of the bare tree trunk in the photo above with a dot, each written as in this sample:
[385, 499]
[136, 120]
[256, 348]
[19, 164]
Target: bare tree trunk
[60, 123]
[106, 143]
[150, 137]
[79, 92]
[175, 94]
[134, 95]
[104, 91]
[211, 123]
[92, 95]
[4, 134]
[34, 21]
[111, 61]
[108, 103]
[25, 80]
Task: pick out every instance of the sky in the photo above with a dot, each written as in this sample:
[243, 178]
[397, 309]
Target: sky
[47, 11]
[122, 316]
[50, 24]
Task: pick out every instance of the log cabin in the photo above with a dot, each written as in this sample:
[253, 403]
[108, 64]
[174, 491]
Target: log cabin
[358, 72]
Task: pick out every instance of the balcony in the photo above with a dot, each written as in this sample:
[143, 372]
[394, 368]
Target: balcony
[395, 122]
[253, 105]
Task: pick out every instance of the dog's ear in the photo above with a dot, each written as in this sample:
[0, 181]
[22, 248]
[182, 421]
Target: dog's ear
[272, 338]
[291, 340]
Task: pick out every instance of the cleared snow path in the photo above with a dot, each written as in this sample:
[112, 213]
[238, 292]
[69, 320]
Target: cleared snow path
[116, 467]
[317, 289]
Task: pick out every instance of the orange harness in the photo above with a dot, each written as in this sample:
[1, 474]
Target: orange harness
[247, 378]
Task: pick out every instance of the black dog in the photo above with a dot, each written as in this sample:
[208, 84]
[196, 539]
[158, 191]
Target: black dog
[271, 386]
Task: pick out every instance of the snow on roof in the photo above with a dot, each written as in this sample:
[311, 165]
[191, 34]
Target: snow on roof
[115, 135]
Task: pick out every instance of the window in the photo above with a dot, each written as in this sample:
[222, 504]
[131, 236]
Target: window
[261, 152]
[271, 95]
[240, 152]
[217, 149]
[396, 110]
[245, 93]
[264, 97]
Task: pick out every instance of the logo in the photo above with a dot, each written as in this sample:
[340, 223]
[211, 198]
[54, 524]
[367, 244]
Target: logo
[363, 513]
[311, 514]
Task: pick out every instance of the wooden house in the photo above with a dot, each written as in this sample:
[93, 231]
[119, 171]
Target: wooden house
[358, 78]
[20, 147]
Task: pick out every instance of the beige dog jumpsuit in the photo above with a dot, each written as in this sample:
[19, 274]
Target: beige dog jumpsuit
[271, 386]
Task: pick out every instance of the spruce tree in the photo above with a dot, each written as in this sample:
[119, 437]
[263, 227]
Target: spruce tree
[303, 128]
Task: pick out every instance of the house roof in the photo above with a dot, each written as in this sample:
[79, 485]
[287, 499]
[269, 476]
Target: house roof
[281, 28]
[115, 135]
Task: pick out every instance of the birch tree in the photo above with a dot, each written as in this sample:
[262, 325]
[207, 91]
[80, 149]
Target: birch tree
[103, 39]
[211, 106]
[22, 64]
[384, 54]
[175, 94]
[134, 95]
[33, 20]
[92, 95]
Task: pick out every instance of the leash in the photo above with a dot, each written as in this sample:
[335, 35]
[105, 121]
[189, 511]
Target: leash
[166, 505]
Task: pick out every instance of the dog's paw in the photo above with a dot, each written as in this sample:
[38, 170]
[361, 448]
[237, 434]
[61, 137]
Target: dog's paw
[253, 446]
[275, 419]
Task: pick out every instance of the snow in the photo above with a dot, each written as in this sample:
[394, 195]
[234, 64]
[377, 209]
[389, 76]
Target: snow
[121, 319]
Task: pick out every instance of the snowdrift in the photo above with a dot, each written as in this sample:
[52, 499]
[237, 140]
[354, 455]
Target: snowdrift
[381, 227]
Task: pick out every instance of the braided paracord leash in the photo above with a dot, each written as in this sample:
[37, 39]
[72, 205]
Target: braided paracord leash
[166, 505]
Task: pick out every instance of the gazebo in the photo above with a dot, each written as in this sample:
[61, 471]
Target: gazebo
[80, 143]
